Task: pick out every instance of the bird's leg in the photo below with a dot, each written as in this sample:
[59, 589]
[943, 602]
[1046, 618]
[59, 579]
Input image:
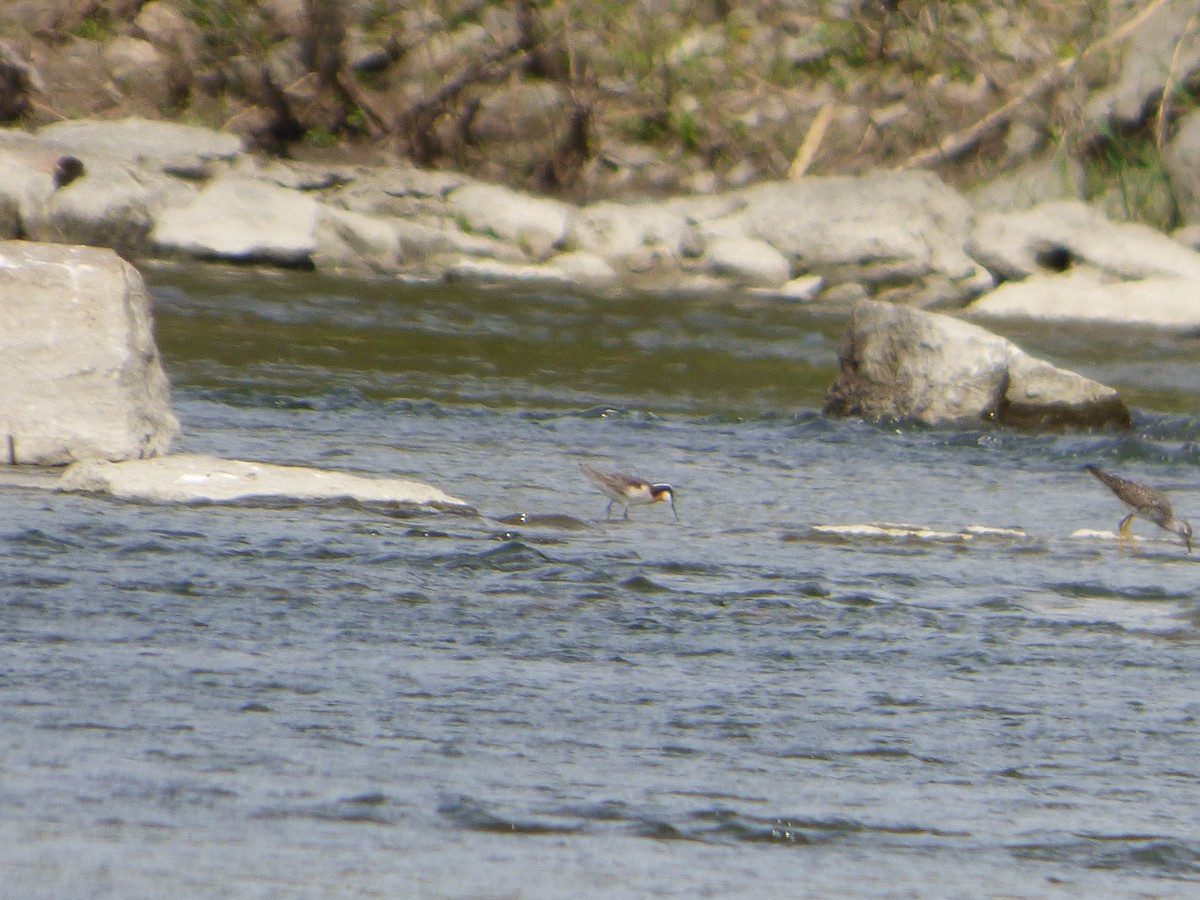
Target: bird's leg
[626, 512]
[1124, 533]
[608, 512]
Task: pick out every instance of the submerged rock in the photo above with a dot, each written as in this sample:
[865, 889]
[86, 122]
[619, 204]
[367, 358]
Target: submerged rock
[196, 478]
[899, 362]
[83, 378]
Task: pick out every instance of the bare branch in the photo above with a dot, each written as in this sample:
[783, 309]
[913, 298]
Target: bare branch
[956, 144]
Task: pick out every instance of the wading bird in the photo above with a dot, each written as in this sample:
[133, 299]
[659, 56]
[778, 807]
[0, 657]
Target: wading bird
[1147, 503]
[629, 491]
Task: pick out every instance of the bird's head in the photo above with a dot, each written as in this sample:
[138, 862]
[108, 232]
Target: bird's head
[661, 492]
[1184, 528]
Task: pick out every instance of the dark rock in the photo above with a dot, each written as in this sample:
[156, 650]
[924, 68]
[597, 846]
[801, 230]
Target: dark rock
[18, 81]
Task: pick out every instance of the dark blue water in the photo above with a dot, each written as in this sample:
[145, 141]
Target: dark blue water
[286, 701]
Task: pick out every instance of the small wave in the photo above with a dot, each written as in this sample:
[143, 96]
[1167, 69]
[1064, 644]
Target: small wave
[557, 521]
[715, 825]
[641, 584]
[511, 556]
[1148, 854]
[1097, 590]
[627, 415]
[722, 825]
[33, 580]
[371, 808]
[35, 538]
[894, 753]
[474, 815]
[92, 726]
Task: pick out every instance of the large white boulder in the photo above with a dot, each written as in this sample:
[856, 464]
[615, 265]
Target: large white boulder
[167, 146]
[905, 363]
[1087, 295]
[1068, 233]
[129, 170]
[354, 241]
[83, 377]
[622, 231]
[112, 204]
[536, 224]
[53, 192]
[877, 229]
[747, 261]
[198, 478]
[242, 220]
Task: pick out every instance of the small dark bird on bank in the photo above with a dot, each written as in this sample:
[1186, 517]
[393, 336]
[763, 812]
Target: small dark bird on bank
[66, 170]
[1146, 502]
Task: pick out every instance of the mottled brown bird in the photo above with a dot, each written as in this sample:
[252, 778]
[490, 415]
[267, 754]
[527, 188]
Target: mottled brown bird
[628, 490]
[1147, 503]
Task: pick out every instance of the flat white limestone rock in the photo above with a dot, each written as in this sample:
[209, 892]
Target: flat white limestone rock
[893, 530]
[243, 220]
[197, 478]
[1087, 295]
[143, 139]
[536, 224]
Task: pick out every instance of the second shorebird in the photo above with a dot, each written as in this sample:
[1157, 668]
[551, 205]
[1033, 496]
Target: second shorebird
[629, 491]
[1147, 503]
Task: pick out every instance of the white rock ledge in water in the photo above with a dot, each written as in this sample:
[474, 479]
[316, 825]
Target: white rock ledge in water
[197, 478]
[1103, 536]
[894, 530]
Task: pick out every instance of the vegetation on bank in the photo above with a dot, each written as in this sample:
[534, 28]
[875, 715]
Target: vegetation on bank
[621, 96]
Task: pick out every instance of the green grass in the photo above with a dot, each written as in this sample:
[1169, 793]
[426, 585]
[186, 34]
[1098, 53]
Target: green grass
[1128, 169]
[95, 28]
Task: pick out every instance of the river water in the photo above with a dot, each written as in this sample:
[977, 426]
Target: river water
[297, 701]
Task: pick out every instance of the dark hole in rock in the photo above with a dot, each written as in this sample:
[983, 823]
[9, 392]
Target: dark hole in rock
[1054, 257]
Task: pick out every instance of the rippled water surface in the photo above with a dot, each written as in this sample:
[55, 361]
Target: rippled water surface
[283, 701]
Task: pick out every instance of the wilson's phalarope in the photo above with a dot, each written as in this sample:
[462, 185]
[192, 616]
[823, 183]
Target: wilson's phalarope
[1147, 503]
[629, 491]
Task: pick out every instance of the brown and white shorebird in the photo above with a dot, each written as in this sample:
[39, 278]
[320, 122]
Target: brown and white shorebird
[1147, 503]
[628, 490]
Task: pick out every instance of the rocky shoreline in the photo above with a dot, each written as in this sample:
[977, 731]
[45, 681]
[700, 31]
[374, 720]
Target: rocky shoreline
[151, 189]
